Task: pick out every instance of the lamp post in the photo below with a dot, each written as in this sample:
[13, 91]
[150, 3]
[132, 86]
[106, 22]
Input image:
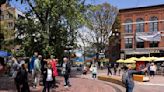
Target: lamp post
[114, 45]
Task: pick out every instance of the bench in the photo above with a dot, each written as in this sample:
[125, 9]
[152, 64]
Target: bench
[140, 78]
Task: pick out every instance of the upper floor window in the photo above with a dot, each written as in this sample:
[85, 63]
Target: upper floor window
[10, 16]
[10, 25]
[2, 17]
[128, 26]
[140, 25]
[153, 26]
[128, 42]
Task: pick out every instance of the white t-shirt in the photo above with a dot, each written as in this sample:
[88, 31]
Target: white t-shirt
[153, 68]
[49, 75]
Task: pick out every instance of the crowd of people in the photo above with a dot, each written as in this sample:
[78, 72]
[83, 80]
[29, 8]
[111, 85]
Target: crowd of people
[37, 71]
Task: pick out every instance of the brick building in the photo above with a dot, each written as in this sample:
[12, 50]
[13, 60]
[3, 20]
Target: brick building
[142, 31]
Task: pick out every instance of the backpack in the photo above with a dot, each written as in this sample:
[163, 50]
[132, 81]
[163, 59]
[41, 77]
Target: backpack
[125, 77]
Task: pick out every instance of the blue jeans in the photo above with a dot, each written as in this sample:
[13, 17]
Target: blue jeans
[129, 88]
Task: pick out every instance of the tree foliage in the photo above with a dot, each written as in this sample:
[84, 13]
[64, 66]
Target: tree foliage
[50, 24]
[100, 20]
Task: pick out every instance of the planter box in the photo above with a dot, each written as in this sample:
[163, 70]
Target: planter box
[140, 78]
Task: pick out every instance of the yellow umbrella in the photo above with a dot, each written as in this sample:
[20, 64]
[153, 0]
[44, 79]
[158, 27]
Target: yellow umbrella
[144, 59]
[159, 59]
[129, 61]
[133, 58]
[120, 61]
[152, 58]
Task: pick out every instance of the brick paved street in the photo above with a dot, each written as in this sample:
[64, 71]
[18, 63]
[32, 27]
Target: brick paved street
[78, 85]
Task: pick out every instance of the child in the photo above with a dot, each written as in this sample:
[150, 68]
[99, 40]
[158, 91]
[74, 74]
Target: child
[94, 71]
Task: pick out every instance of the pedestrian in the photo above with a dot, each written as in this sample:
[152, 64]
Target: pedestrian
[94, 71]
[115, 69]
[109, 68]
[53, 62]
[37, 70]
[16, 73]
[31, 64]
[101, 65]
[24, 79]
[48, 76]
[66, 70]
[127, 77]
[119, 70]
[153, 69]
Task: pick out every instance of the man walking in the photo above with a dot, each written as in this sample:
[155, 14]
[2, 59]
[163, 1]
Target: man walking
[37, 70]
[66, 69]
[109, 66]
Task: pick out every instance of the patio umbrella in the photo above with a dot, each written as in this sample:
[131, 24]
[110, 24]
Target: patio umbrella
[129, 61]
[120, 61]
[133, 58]
[4, 54]
[144, 59]
[160, 59]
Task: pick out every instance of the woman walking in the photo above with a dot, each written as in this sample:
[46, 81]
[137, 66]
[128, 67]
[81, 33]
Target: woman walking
[48, 75]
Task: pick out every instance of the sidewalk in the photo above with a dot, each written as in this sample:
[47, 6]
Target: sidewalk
[155, 84]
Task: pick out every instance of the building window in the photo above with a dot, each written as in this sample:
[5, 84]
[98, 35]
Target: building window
[128, 42]
[140, 45]
[140, 25]
[10, 16]
[153, 26]
[10, 25]
[153, 44]
[2, 17]
[128, 26]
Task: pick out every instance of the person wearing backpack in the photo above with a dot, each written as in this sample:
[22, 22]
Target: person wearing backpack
[127, 77]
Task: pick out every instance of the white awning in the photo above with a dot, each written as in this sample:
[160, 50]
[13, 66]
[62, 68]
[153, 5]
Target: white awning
[148, 36]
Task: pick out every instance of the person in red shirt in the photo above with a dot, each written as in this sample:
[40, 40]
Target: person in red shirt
[53, 62]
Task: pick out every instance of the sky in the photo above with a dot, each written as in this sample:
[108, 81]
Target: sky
[128, 3]
[121, 4]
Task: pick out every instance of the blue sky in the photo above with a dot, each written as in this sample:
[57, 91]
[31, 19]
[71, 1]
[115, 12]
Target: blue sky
[128, 3]
[118, 3]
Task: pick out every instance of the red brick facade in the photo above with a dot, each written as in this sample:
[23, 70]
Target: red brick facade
[145, 13]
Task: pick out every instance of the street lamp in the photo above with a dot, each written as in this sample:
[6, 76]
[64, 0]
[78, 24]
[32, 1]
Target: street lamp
[114, 45]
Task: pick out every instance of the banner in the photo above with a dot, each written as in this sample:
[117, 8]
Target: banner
[148, 36]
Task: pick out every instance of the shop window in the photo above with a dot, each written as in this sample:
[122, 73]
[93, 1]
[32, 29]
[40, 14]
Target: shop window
[153, 44]
[128, 42]
[140, 45]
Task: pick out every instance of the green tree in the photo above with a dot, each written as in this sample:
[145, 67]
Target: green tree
[50, 24]
[100, 20]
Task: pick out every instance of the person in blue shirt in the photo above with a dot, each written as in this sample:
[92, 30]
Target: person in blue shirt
[130, 82]
[32, 61]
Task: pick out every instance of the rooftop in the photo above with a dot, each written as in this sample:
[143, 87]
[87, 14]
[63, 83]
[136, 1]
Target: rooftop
[141, 7]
